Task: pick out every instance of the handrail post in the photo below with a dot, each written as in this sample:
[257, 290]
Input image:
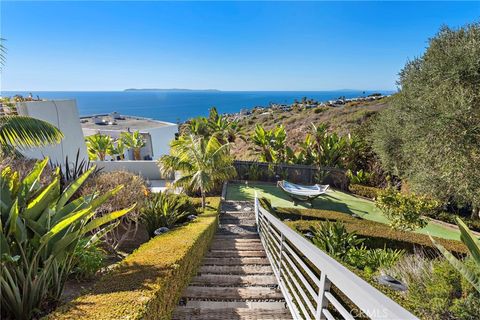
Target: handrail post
[282, 239]
[256, 211]
[322, 301]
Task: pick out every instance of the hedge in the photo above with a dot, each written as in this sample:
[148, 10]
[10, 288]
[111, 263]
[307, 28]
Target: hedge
[364, 191]
[377, 234]
[149, 282]
[472, 224]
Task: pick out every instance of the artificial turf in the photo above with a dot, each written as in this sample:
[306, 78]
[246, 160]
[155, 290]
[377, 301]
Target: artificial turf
[333, 200]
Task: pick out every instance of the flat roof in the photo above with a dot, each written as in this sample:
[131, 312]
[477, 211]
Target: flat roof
[122, 124]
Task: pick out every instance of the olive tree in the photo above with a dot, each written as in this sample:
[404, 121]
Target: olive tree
[430, 134]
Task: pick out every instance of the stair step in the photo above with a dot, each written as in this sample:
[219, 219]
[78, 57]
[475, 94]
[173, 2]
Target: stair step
[236, 239]
[235, 253]
[209, 304]
[243, 222]
[241, 246]
[234, 280]
[232, 293]
[231, 313]
[251, 228]
[238, 270]
[235, 261]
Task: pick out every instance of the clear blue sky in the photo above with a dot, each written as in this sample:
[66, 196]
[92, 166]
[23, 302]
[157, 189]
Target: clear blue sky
[222, 45]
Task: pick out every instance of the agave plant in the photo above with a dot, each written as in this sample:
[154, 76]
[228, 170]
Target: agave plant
[40, 227]
[333, 238]
[99, 145]
[164, 210]
[473, 245]
[134, 140]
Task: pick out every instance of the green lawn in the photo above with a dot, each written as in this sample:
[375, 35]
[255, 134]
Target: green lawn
[333, 200]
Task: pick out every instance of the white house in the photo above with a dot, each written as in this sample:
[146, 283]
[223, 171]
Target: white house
[157, 134]
[64, 115]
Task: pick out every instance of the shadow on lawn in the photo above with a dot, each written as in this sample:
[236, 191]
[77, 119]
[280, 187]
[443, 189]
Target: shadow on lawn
[327, 202]
[333, 200]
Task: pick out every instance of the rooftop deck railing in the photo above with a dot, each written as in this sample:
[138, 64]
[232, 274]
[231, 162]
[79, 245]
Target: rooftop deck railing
[316, 286]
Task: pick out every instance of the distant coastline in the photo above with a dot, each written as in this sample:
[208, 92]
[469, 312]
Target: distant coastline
[180, 106]
[171, 90]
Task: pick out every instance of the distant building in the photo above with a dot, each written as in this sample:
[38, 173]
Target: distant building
[157, 134]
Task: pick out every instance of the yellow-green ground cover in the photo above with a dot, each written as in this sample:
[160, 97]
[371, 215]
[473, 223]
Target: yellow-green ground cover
[149, 282]
[334, 200]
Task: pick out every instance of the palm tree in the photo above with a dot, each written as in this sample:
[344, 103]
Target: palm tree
[119, 149]
[203, 162]
[134, 141]
[99, 145]
[20, 132]
[3, 52]
[224, 129]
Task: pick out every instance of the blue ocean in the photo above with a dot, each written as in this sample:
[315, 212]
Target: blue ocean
[178, 106]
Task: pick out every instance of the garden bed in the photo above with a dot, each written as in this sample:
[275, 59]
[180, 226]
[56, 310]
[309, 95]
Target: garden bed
[378, 234]
[149, 282]
[420, 268]
[333, 200]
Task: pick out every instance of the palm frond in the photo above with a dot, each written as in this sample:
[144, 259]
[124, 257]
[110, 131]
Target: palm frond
[3, 53]
[23, 132]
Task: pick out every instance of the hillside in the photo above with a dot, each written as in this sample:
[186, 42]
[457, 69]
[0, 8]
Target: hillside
[341, 119]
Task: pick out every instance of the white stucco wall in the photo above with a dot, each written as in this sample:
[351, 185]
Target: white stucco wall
[64, 115]
[161, 138]
[148, 169]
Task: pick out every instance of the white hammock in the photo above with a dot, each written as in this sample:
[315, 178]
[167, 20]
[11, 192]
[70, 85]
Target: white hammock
[302, 192]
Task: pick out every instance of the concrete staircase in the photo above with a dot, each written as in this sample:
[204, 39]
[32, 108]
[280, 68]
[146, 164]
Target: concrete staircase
[235, 280]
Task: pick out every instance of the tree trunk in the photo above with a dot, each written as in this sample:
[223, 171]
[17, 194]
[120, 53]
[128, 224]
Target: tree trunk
[101, 155]
[203, 200]
[475, 213]
[136, 154]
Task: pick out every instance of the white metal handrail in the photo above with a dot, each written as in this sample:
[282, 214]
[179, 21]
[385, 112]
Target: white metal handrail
[305, 275]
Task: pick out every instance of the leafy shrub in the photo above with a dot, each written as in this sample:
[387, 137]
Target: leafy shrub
[370, 260]
[320, 110]
[359, 177]
[164, 210]
[87, 259]
[334, 239]
[434, 280]
[41, 227]
[24, 166]
[134, 192]
[404, 210]
[467, 308]
[254, 172]
[364, 191]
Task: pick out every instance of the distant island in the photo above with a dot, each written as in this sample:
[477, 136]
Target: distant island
[173, 90]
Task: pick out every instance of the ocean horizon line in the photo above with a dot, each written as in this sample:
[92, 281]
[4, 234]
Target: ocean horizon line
[198, 90]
